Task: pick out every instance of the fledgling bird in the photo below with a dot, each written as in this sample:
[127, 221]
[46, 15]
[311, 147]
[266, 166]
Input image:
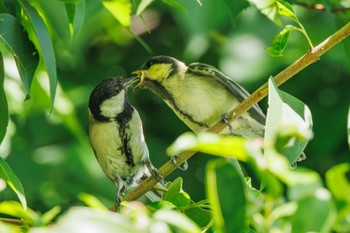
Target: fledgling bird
[200, 95]
[116, 135]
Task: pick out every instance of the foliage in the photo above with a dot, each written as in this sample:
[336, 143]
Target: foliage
[59, 47]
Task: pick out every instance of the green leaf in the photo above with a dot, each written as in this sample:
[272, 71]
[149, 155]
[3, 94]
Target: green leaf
[284, 8]
[177, 220]
[268, 8]
[12, 180]
[315, 213]
[289, 121]
[226, 192]
[338, 183]
[76, 14]
[176, 194]
[225, 146]
[3, 102]
[280, 42]
[349, 128]
[142, 6]
[15, 209]
[202, 217]
[157, 205]
[48, 216]
[92, 201]
[120, 9]
[16, 41]
[39, 34]
[174, 4]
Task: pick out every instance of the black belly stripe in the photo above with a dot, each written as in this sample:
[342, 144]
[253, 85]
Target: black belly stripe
[158, 89]
[123, 120]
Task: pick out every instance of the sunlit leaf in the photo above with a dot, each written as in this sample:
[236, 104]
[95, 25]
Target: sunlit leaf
[12, 180]
[142, 6]
[92, 201]
[14, 38]
[15, 209]
[286, 112]
[284, 8]
[225, 146]
[280, 42]
[176, 194]
[83, 219]
[268, 8]
[120, 9]
[315, 213]
[338, 183]
[48, 216]
[3, 102]
[39, 34]
[178, 220]
[226, 193]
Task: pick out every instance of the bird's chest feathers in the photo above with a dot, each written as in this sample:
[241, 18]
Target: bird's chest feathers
[201, 98]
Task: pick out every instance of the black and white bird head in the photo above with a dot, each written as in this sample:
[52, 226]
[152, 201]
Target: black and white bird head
[108, 97]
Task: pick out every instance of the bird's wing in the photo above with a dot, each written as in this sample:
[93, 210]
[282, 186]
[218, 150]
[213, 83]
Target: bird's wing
[239, 92]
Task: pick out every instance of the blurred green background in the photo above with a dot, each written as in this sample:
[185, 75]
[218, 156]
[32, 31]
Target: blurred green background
[50, 152]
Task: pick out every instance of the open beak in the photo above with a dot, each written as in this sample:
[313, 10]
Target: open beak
[130, 81]
[141, 75]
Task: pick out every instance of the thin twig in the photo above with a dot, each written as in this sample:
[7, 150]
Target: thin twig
[307, 59]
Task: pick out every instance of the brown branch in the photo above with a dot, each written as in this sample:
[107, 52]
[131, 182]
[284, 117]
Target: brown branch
[12, 221]
[307, 59]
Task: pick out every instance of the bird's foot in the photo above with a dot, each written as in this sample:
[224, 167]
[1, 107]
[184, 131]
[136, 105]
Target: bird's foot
[183, 166]
[224, 119]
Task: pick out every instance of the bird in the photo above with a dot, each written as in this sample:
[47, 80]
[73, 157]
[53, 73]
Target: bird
[116, 135]
[200, 95]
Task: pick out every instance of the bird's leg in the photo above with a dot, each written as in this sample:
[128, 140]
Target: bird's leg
[225, 121]
[120, 191]
[154, 172]
[183, 166]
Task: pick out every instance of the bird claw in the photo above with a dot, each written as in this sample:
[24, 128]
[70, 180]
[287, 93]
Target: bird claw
[225, 121]
[183, 166]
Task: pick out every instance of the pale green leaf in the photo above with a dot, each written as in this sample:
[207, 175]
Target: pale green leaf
[120, 9]
[177, 220]
[142, 6]
[338, 183]
[92, 201]
[288, 121]
[12, 180]
[15, 209]
[220, 145]
[48, 216]
[16, 41]
[38, 32]
[284, 8]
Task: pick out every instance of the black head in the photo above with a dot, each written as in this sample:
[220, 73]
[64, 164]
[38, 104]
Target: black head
[107, 89]
[159, 60]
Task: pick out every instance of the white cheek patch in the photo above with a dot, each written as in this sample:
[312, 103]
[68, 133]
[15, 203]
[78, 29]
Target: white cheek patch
[113, 106]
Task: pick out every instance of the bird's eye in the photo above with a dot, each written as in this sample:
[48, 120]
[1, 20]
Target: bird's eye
[147, 65]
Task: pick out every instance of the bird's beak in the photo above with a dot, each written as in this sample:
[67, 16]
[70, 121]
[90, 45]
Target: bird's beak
[141, 75]
[130, 81]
